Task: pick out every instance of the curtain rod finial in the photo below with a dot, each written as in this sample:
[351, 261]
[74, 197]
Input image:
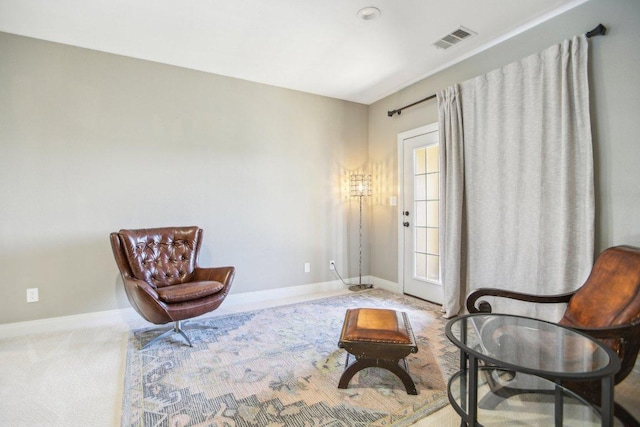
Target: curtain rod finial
[600, 30]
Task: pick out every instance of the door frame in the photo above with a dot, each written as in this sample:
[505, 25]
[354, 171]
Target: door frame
[401, 137]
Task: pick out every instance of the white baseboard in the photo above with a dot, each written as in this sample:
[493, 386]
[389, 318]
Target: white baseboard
[57, 324]
[235, 302]
[246, 298]
[387, 285]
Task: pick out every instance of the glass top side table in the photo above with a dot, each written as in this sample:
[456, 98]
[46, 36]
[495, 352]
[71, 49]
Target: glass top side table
[536, 348]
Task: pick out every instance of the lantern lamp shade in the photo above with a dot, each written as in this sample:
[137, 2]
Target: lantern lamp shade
[360, 185]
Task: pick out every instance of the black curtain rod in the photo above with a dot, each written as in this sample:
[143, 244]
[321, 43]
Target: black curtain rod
[399, 110]
[600, 30]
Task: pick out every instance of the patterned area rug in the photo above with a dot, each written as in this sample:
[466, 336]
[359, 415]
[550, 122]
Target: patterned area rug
[280, 367]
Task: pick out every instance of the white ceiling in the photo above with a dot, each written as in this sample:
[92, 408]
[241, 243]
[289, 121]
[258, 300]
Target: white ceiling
[319, 46]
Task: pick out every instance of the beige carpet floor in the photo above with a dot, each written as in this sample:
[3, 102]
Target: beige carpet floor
[76, 377]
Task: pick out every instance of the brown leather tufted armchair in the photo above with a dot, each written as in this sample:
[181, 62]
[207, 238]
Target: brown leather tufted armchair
[607, 307]
[159, 268]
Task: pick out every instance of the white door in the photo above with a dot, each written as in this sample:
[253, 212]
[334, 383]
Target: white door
[419, 252]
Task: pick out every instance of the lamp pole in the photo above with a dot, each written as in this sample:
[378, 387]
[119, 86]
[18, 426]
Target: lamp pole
[360, 187]
[360, 248]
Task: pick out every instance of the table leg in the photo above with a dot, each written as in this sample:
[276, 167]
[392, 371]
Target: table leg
[606, 406]
[392, 366]
[463, 355]
[464, 385]
[559, 405]
[473, 390]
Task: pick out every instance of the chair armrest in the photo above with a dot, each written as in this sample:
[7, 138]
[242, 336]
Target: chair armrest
[485, 307]
[144, 299]
[617, 332]
[223, 275]
[623, 339]
[139, 287]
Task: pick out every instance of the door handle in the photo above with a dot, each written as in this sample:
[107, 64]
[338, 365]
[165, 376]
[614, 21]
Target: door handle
[406, 224]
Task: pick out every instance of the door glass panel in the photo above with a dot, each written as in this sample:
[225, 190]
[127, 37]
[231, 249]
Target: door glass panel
[432, 189]
[420, 187]
[421, 265]
[421, 214]
[432, 213]
[420, 160]
[426, 195]
[431, 237]
[421, 239]
[433, 267]
[433, 162]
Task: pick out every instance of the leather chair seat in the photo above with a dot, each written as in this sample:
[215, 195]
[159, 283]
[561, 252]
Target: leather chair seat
[188, 291]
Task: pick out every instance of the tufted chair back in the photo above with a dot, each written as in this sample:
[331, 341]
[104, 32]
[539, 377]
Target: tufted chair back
[164, 256]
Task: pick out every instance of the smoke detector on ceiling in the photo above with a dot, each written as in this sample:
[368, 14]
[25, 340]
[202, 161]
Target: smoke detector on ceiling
[369, 13]
[454, 37]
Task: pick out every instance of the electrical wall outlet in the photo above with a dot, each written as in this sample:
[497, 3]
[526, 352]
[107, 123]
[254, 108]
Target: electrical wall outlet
[307, 267]
[332, 265]
[32, 295]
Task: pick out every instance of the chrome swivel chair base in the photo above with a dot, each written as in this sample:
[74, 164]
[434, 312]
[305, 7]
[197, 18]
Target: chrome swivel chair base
[177, 328]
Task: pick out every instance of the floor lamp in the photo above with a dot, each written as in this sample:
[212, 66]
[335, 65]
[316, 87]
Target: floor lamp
[360, 187]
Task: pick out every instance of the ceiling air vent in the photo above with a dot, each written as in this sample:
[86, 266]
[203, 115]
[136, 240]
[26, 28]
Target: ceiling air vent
[454, 37]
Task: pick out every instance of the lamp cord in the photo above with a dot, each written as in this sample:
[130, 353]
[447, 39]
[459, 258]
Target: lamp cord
[335, 271]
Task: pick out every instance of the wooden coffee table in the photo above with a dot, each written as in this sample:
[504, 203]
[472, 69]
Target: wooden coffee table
[379, 338]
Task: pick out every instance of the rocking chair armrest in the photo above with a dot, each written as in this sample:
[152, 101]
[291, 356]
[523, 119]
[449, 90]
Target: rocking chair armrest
[485, 307]
[618, 332]
[623, 339]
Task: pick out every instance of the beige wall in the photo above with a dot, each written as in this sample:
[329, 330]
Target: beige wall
[615, 109]
[91, 143]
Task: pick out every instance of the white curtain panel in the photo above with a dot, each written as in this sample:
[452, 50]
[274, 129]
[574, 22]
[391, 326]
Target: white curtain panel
[518, 181]
[451, 196]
